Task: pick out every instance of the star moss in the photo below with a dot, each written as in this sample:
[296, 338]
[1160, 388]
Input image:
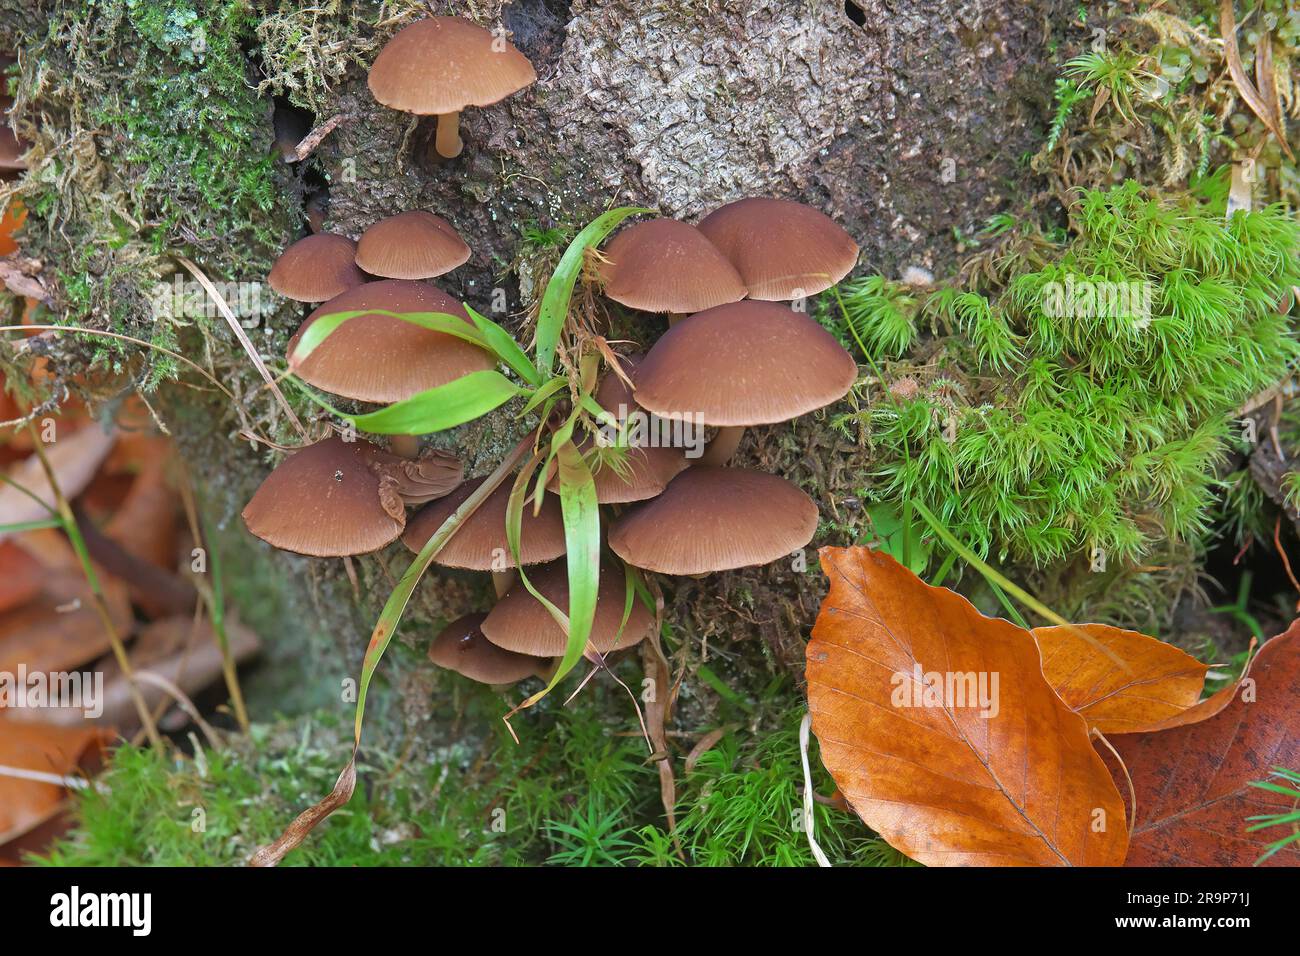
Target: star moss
[1086, 402]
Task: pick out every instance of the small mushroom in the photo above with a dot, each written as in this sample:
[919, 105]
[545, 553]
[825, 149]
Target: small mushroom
[782, 249]
[480, 543]
[12, 149]
[614, 393]
[461, 647]
[335, 498]
[642, 473]
[317, 268]
[315, 208]
[667, 266]
[520, 623]
[289, 126]
[439, 66]
[411, 245]
[379, 358]
[715, 519]
[747, 363]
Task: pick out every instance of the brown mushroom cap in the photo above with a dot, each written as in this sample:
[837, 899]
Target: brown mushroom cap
[715, 519]
[613, 392]
[378, 358]
[646, 471]
[411, 245]
[324, 501]
[444, 64]
[747, 363]
[11, 149]
[317, 268]
[461, 647]
[482, 538]
[520, 623]
[643, 473]
[667, 266]
[781, 249]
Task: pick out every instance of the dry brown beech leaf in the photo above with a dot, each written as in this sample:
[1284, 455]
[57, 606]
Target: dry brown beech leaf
[60, 751]
[1206, 708]
[1162, 681]
[1009, 781]
[1193, 782]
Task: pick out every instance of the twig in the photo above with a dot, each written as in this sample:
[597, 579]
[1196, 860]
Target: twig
[214, 599]
[183, 701]
[73, 530]
[244, 341]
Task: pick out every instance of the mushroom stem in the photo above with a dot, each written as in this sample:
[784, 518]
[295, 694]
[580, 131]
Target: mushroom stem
[675, 317]
[502, 581]
[447, 141]
[547, 668]
[404, 446]
[723, 446]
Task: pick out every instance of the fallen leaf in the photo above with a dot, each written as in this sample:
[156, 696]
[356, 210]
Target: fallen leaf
[156, 591]
[1161, 682]
[20, 576]
[74, 459]
[19, 281]
[64, 751]
[173, 649]
[937, 778]
[1206, 708]
[13, 218]
[59, 628]
[145, 524]
[1193, 782]
[51, 635]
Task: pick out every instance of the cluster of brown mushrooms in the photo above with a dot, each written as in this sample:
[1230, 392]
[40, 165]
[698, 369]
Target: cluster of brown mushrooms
[734, 357]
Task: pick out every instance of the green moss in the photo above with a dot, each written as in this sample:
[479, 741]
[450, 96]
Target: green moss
[744, 808]
[1086, 401]
[170, 152]
[195, 134]
[575, 791]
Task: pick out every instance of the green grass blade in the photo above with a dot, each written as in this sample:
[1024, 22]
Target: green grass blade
[506, 348]
[942, 574]
[559, 290]
[722, 688]
[1001, 581]
[435, 409]
[21, 526]
[217, 612]
[514, 527]
[629, 598]
[394, 607]
[543, 393]
[582, 541]
[325, 326]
